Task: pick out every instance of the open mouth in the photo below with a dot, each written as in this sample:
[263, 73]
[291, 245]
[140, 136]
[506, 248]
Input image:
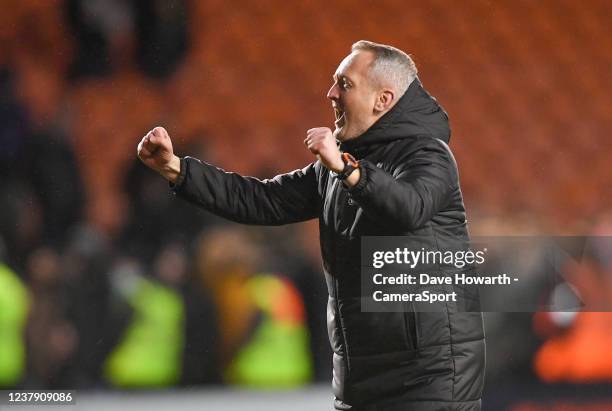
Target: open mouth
[339, 113]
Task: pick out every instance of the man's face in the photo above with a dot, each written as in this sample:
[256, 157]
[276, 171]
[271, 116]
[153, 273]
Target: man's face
[353, 96]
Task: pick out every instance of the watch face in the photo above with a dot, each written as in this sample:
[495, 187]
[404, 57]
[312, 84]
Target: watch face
[350, 160]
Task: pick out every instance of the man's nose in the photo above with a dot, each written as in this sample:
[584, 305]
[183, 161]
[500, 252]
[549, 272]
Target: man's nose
[333, 92]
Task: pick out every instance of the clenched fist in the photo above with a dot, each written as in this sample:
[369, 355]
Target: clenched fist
[321, 142]
[155, 150]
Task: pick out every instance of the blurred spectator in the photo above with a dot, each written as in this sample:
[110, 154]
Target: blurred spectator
[19, 231]
[96, 24]
[149, 351]
[153, 210]
[52, 340]
[162, 35]
[200, 363]
[105, 30]
[44, 193]
[170, 336]
[577, 344]
[14, 121]
[20, 221]
[306, 273]
[264, 335]
[86, 261]
[48, 163]
[14, 305]
[510, 342]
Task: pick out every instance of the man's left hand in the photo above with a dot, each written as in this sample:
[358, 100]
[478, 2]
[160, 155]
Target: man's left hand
[321, 142]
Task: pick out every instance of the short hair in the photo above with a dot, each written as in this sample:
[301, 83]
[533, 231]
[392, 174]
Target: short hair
[391, 66]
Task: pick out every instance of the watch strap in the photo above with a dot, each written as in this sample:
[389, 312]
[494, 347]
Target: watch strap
[350, 165]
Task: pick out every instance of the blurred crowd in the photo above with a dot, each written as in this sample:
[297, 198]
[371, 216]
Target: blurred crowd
[169, 295]
[175, 290]
[176, 297]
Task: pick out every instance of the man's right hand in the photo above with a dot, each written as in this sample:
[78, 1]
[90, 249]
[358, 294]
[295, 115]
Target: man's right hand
[155, 150]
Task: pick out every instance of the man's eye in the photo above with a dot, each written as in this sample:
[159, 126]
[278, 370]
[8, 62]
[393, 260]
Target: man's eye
[346, 85]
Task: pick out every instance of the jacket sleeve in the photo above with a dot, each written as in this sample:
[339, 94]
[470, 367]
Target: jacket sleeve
[284, 199]
[421, 184]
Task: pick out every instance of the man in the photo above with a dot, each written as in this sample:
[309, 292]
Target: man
[392, 174]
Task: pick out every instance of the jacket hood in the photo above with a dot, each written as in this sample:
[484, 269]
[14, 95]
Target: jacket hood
[416, 113]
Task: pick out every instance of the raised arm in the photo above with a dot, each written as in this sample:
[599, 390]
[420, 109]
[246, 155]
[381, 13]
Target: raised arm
[286, 198]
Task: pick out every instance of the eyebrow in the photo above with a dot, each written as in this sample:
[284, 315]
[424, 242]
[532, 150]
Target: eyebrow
[342, 76]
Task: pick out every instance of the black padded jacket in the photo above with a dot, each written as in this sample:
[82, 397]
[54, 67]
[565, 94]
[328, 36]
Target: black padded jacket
[409, 185]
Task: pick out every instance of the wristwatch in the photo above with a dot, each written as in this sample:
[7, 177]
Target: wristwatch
[350, 165]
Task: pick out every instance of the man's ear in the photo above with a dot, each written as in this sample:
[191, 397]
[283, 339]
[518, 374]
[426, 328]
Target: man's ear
[384, 101]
